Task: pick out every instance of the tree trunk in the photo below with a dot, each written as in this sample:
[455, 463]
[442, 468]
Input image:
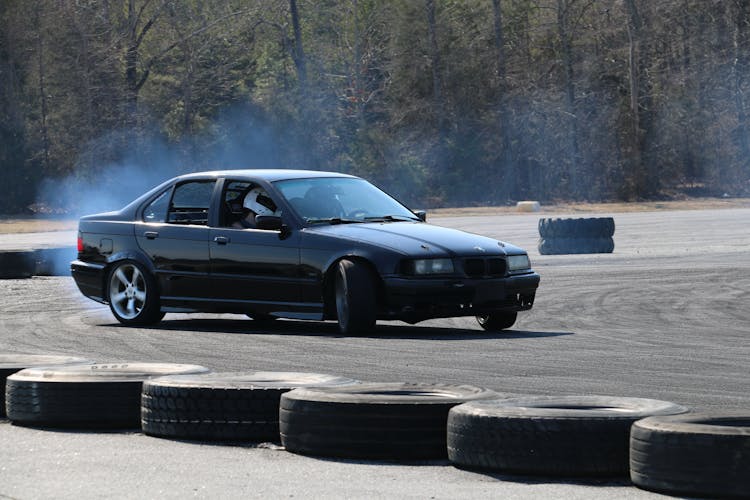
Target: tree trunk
[563, 31]
[43, 99]
[131, 67]
[437, 84]
[507, 175]
[740, 73]
[133, 39]
[646, 181]
[298, 55]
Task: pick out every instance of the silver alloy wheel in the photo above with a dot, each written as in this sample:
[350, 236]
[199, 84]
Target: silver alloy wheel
[127, 291]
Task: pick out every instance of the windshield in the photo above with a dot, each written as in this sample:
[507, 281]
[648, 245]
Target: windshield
[341, 200]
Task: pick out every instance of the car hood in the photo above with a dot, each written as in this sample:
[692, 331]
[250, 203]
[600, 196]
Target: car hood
[418, 238]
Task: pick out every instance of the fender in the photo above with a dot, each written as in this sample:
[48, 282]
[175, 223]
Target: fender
[127, 254]
[328, 277]
[132, 254]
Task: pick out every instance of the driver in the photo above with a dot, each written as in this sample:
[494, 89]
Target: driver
[256, 202]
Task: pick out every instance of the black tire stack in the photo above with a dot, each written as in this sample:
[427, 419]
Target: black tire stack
[392, 421]
[15, 265]
[576, 236]
[98, 395]
[661, 446]
[549, 435]
[223, 406]
[698, 454]
[12, 363]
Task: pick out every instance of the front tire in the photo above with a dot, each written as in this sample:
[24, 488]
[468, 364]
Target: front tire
[356, 304]
[497, 321]
[133, 295]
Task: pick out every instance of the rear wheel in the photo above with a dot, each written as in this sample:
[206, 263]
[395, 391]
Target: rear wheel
[356, 304]
[133, 296]
[497, 321]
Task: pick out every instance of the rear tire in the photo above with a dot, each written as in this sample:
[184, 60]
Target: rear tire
[494, 322]
[356, 303]
[133, 295]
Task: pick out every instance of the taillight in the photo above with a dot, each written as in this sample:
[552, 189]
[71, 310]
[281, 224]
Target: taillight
[80, 243]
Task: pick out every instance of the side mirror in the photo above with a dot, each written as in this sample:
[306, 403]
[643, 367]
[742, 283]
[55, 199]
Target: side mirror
[268, 222]
[421, 214]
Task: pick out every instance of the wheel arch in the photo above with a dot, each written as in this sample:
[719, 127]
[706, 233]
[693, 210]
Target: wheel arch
[119, 257]
[329, 282]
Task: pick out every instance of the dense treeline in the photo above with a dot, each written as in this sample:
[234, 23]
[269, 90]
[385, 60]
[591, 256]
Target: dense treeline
[442, 102]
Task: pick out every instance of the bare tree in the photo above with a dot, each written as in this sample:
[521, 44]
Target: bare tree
[508, 165]
[564, 32]
[42, 72]
[298, 53]
[641, 103]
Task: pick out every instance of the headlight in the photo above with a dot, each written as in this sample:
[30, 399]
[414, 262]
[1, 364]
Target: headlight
[518, 262]
[420, 267]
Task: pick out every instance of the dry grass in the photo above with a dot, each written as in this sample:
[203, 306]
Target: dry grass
[30, 224]
[27, 224]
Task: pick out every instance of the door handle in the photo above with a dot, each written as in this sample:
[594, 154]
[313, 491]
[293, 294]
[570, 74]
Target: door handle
[151, 235]
[221, 240]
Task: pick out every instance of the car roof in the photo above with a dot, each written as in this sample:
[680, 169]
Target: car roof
[269, 175]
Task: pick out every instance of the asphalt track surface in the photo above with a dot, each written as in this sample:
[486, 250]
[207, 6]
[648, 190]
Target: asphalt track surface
[665, 316]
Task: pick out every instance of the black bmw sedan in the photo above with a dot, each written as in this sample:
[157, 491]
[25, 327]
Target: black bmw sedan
[293, 244]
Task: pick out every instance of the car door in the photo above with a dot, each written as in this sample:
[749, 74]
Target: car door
[253, 267]
[173, 232]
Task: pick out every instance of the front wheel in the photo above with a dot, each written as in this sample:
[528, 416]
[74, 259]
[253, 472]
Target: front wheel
[497, 320]
[356, 304]
[133, 296]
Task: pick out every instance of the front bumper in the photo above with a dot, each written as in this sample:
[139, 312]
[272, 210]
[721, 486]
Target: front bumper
[417, 299]
[90, 279]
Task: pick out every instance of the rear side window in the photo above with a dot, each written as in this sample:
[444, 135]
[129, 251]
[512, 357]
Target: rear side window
[190, 203]
[193, 195]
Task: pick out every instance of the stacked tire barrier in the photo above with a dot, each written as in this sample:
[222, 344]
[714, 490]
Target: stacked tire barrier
[13, 363]
[41, 262]
[99, 395]
[661, 445]
[223, 406]
[576, 236]
[706, 455]
[14, 265]
[549, 435]
[371, 420]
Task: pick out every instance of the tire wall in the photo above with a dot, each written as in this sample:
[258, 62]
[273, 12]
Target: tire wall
[576, 236]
